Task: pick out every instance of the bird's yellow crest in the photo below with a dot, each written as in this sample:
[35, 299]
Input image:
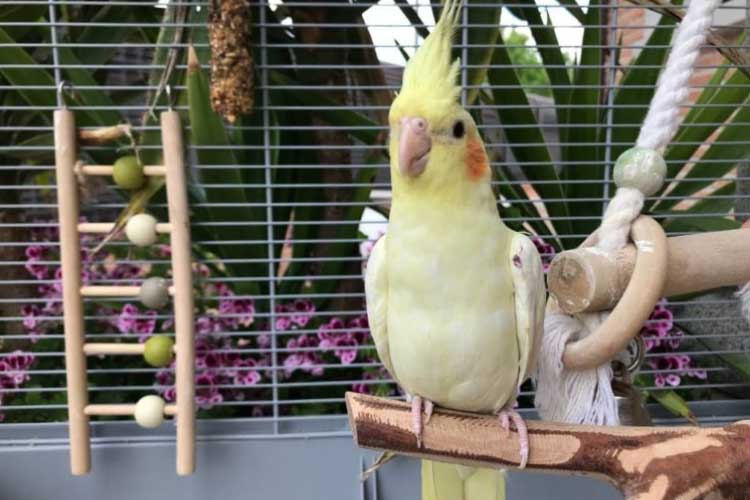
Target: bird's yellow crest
[430, 76]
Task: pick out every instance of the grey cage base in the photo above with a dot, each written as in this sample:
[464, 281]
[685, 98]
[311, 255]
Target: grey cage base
[311, 459]
[240, 467]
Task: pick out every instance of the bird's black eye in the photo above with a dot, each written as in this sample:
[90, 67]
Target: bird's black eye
[458, 129]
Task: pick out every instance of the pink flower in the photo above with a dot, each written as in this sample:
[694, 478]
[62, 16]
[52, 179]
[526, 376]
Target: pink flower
[264, 341]
[661, 318]
[126, 320]
[546, 251]
[57, 285]
[207, 395]
[307, 361]
[362, 387]
[283, 320]
[145, 326]
[207, 324]
[31, 323]
[236, 312]
[360, 328]
[34, 254]
[660, 380]
[14, 368]
[303, 312]
[126, 272]
[661, 338]
[246, 374]
[335, 336]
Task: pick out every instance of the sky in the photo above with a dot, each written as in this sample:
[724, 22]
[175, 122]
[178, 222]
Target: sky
[389, 24]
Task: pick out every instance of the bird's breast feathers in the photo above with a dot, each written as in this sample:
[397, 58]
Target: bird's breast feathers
[451, 319]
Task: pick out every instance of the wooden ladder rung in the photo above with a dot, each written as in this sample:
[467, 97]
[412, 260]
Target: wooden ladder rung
[121, 410]
[114, 291]
[95, 348]
[107, 227]
[150, 170]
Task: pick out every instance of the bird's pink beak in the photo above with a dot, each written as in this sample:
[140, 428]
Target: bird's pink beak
[414, 146]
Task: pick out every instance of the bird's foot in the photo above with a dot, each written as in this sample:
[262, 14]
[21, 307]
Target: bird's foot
[506, 416]
[417, 421]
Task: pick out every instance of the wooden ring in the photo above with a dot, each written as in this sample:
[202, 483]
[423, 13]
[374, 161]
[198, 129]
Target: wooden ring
[644, 290]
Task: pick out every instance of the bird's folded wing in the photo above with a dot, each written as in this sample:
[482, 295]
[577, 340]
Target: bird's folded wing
[376, 292]
[530, 298]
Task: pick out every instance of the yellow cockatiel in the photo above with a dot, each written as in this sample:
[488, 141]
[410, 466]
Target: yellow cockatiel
[455, 299]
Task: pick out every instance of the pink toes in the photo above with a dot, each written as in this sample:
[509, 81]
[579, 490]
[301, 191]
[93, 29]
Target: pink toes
[416, 418]
[417, 424]
[505, 417]
[428, 407]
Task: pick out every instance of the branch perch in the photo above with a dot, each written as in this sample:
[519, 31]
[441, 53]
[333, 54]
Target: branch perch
[645, 463]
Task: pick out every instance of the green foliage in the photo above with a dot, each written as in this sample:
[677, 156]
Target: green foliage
[531, 74]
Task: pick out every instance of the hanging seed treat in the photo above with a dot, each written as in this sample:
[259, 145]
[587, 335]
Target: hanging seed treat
[231, 58]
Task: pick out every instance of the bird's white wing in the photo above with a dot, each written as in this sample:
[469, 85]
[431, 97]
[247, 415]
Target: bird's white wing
[530, 299]
[376, 293]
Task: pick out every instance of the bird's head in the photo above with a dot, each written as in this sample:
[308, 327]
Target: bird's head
[434, 142]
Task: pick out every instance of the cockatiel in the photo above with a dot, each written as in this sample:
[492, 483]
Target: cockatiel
[455, 299]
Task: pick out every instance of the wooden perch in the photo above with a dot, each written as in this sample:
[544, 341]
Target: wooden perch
[645, 463]
[586, 280]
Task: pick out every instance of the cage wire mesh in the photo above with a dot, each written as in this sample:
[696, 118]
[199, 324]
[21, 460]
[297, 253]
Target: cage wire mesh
[287, 203]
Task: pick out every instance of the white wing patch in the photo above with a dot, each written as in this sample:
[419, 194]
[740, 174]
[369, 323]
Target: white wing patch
[530, 298]
[376, 293]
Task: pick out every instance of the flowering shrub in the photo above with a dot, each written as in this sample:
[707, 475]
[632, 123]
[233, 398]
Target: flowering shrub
[233, 347]
[662, 339]
[222, 373]
[13, 373]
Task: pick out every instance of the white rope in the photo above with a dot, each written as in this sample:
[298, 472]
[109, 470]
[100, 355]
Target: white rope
[744, 296]
[672, 88]
[585, 396]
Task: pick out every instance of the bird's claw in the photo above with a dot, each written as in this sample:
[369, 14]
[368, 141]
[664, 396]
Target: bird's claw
[417, 424]
[506, 416]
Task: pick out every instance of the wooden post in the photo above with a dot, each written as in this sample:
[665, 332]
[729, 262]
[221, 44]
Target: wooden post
[73, 323]
[584, 280]
[645, 463]
[179, 218]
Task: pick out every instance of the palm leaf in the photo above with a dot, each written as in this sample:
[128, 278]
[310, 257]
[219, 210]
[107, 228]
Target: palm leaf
[481, 44]
[554, 62]
[524, 137]
[581, 153]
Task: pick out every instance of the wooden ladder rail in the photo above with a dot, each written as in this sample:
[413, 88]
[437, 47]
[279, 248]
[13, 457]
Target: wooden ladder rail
[182, 291]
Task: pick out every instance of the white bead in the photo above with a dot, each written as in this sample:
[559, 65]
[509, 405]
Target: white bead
[141, 230]
[149, 411]
[642, 169]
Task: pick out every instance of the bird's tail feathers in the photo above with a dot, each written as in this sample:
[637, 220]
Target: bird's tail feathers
[442, 481]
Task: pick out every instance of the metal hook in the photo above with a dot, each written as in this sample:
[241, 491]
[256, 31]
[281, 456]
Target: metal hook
[168, 89]
[61, 91]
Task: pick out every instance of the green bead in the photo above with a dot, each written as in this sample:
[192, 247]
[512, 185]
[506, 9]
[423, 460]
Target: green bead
[158, 351]
[154, 293]
[127, 173]
[642, 169]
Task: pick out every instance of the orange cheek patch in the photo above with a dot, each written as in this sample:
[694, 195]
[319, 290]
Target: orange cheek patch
[477, 164]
